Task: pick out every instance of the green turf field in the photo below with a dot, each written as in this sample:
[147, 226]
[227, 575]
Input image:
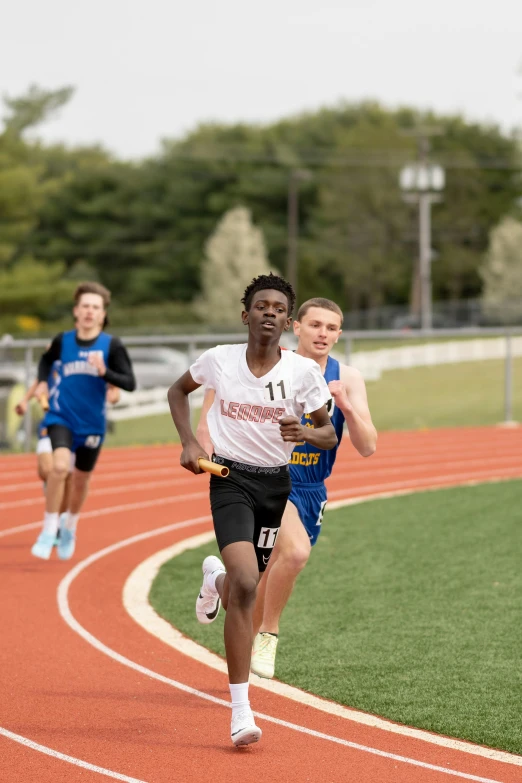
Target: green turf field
[146, 431]
[409, 608]
[447, 395]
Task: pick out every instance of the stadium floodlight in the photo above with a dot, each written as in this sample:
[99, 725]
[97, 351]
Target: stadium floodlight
[422, 183]
[422, 177]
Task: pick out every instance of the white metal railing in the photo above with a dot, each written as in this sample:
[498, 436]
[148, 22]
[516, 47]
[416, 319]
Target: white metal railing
[147, 402]
[371, 363]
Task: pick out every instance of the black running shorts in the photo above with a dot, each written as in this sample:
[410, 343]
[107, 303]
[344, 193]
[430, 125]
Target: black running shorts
[86, 447]
[248, 505]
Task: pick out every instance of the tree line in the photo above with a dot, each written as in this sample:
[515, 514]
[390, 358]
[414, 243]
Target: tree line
[142, 227]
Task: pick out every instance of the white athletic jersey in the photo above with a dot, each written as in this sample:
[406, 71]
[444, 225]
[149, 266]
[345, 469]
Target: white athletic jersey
[243, 422]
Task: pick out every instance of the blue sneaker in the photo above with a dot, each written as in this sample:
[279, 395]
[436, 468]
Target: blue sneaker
[43, 546]
[66, 544]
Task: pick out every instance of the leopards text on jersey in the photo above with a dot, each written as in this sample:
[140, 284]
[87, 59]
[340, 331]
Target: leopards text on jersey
[310, 464]
[243, 421]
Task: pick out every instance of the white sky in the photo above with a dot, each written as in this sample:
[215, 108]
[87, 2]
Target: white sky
[149, 69]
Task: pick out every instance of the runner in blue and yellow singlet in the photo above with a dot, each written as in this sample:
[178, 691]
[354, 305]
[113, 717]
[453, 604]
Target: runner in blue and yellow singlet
[318, 327]
[310, 467]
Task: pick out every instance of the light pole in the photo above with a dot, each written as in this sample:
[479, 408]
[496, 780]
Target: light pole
[422, 184]
[296, 176]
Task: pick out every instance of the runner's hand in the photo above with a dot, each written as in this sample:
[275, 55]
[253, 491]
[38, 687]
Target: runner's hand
[97, 361]
[190, 455]
[338, 391]
[113, 394]
[291, 429]
[21, 407]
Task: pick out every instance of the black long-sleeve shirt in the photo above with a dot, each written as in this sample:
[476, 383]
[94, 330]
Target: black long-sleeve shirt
[119, 367]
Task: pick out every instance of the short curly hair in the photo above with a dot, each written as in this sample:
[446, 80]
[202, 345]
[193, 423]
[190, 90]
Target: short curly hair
[265, 282]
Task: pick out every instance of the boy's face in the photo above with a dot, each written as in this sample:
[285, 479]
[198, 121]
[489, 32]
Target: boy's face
[268, 315]
[89, 312]
[318, 331]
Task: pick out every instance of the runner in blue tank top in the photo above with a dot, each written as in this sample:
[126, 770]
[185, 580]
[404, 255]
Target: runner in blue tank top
[44, 449]
[87, 360]
[318, 327]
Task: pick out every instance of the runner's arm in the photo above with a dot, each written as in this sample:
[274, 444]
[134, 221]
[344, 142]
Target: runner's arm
[51, 355]
[180, 411]
[119, 370]
[350, 396]
[322, 435]
[113, 394]
[21, 406]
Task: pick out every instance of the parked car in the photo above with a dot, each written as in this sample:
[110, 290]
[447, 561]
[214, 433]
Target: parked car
[156, 366]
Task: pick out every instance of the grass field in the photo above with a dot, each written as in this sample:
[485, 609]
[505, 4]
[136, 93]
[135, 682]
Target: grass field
[447, 395]
[409, 608]
[146, 431]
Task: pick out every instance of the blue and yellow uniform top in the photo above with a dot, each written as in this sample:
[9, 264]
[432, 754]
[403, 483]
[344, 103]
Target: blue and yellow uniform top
[308, 464]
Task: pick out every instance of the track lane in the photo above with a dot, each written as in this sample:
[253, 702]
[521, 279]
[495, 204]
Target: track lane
[32, 584]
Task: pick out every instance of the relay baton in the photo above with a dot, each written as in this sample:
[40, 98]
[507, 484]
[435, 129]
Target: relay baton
[44, 402]
[212, 467]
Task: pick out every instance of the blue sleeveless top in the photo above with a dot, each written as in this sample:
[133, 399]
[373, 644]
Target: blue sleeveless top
[78, 399]
[309, 464]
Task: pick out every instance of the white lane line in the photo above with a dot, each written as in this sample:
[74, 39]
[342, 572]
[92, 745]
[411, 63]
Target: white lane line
[134, 539]
[135, 600]
[63, 757]
[394, 464]
[65, 612]
[106, 476]
[115, 510]
[113, 490]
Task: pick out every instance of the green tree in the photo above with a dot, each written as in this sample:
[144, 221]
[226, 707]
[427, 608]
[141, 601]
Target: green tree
[502, 270]
[234, 254]
[34, 107]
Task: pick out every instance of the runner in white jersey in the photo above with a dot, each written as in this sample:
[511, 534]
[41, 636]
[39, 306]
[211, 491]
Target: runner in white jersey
[261, 395]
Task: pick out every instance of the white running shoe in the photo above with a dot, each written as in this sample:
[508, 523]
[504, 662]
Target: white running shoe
[208, 600]
[263, 655]
[243, 730]
[43, 546]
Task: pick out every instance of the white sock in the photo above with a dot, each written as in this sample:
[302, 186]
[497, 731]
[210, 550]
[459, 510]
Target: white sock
[239, 696]
[50, 524]
[71, 520]
[210, 581]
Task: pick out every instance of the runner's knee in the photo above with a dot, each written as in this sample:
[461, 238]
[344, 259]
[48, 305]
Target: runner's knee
[242, 589]
[295, 557]
[60, 469]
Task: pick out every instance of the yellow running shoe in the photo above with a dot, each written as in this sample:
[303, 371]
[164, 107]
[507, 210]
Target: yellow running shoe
[263, 655]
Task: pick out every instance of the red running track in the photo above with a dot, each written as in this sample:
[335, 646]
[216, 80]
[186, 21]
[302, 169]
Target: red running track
[71, 699]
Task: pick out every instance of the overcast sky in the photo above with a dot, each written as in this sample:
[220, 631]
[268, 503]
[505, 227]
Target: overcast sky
[148, 69]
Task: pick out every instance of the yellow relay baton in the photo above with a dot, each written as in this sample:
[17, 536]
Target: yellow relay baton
[214, 468]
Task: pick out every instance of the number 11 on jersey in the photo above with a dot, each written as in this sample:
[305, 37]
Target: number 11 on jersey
[279, 390]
